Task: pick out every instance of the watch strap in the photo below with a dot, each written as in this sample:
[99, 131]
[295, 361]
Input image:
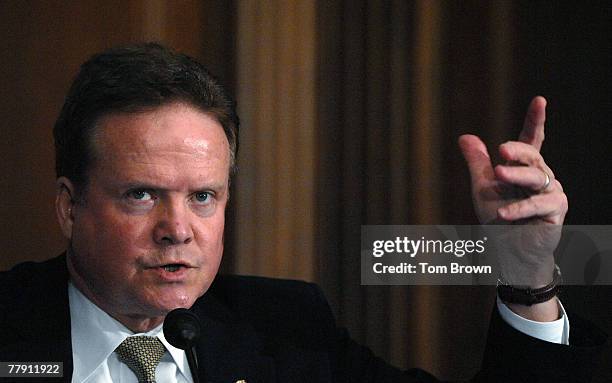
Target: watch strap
[528, 296]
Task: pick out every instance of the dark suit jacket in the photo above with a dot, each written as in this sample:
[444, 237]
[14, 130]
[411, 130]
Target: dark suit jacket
[267, 330]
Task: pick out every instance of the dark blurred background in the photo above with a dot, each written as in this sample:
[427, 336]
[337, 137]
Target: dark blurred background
[351, 111]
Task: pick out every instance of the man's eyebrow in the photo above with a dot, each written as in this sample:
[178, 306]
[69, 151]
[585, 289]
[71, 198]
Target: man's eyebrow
[138, 185]
[129, 185]
[220, 186]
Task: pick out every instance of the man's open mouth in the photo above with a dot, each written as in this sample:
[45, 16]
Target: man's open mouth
[173, 267]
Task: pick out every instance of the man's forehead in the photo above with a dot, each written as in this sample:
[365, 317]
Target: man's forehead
[175, 126]
[167, 142]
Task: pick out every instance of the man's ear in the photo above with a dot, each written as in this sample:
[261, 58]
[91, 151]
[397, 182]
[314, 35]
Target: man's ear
[64, 205]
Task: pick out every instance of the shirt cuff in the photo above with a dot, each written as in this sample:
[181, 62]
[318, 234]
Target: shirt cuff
[554, 332]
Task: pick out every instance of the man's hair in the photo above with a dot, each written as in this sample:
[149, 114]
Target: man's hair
[131, 79]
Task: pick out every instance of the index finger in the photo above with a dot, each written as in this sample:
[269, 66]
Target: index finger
[533, 128]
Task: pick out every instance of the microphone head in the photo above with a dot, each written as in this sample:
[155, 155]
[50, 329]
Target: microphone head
[181, 328]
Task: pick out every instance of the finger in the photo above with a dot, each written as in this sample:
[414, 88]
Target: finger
[521, 153]
[533, 127]
[551, 207]
[477, 158]
[526, 177]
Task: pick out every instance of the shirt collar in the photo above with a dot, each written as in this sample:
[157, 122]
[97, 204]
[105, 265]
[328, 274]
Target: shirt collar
[96, 335]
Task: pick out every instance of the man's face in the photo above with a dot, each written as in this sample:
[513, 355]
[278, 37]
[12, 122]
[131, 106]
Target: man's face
[148, 236]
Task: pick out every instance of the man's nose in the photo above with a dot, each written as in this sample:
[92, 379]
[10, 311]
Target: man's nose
[173, 225]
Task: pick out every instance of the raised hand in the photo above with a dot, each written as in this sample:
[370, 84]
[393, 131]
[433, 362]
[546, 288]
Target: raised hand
[523, 190]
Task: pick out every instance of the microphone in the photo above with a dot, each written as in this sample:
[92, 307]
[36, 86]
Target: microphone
[182, 330]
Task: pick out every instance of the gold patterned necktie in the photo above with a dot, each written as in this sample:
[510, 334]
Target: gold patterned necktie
[142, 355]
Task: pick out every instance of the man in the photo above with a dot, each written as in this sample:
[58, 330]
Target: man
[145, 146]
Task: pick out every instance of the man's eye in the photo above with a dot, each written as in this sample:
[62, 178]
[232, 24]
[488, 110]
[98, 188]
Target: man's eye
[203, 197]
[140, 195]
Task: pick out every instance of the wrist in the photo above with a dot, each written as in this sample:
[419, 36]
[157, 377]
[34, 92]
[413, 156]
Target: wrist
[540, 312]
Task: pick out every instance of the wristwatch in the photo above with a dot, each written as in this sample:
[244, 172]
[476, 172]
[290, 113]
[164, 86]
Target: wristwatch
[528, 296]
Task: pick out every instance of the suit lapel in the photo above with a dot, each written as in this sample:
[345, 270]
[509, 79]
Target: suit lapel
[239, 352]
[43, 325]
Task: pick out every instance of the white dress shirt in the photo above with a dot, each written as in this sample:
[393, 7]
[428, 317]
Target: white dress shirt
[554, 332]
[96, 335]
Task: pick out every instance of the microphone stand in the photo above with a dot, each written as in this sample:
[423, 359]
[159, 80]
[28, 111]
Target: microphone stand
[193, 364]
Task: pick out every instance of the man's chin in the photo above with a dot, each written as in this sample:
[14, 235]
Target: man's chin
[168, 302]
[154, 303]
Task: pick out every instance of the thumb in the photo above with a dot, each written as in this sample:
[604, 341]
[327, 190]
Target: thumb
[477, 158]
